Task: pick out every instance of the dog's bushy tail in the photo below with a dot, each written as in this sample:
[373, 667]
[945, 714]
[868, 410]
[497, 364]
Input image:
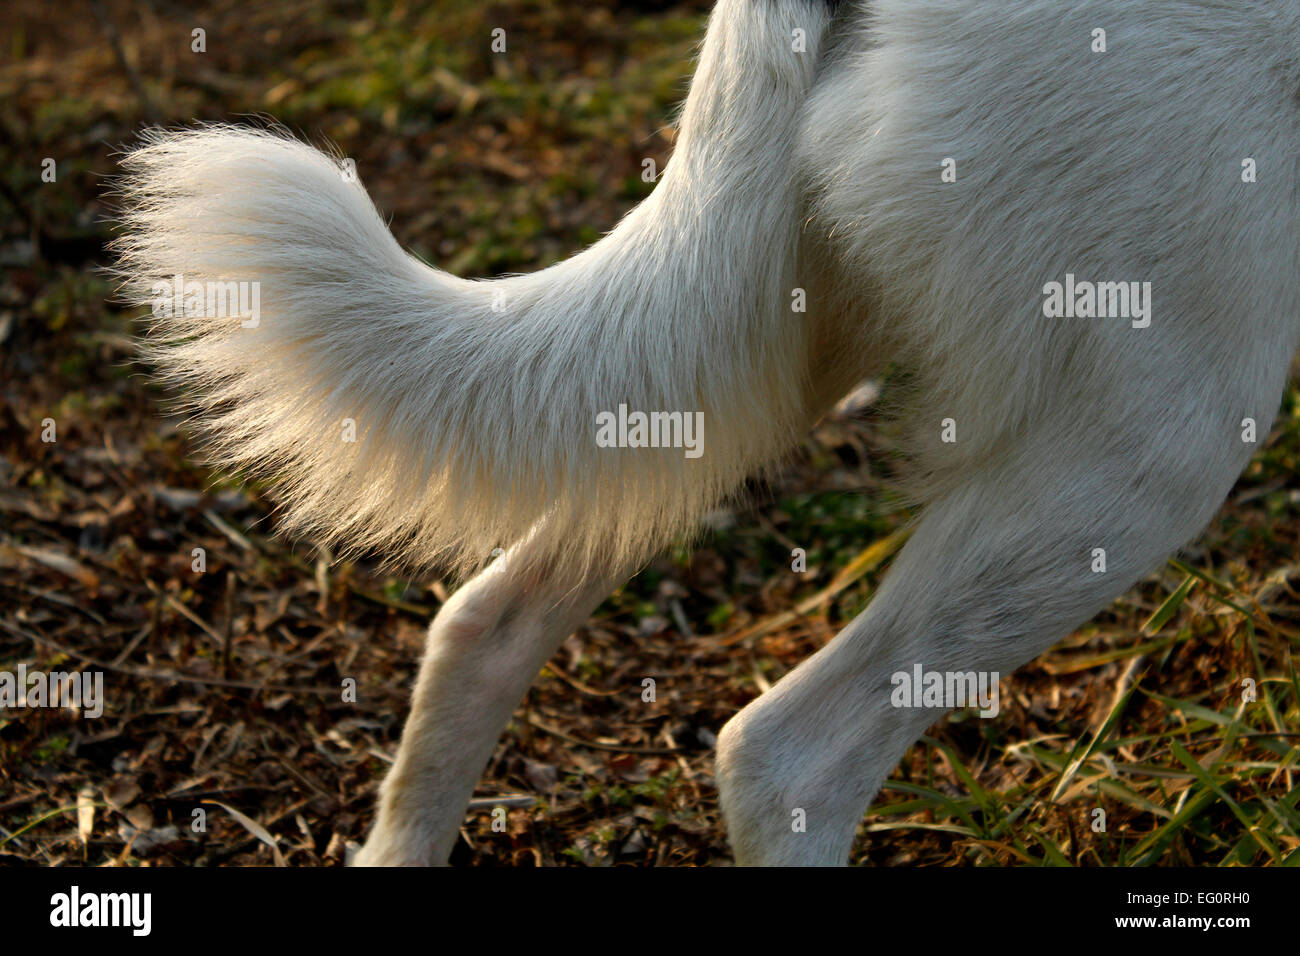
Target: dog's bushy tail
[473, 405]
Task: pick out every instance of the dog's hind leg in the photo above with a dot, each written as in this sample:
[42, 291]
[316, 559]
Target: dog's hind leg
[484, 648]
[996, 572]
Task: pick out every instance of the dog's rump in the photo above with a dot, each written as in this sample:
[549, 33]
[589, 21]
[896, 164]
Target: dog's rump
[979, 170]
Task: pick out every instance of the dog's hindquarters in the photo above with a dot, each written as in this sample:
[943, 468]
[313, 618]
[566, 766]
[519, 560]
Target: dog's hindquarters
[1063, 455]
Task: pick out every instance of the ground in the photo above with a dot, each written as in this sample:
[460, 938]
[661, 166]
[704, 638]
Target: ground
[223, 686]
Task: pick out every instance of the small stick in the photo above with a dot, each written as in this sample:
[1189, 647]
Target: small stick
[230, 625]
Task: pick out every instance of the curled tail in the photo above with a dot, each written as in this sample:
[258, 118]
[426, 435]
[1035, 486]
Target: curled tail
[480, 411]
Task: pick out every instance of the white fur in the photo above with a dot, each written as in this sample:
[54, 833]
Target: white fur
[473, 424]
[1072, 434]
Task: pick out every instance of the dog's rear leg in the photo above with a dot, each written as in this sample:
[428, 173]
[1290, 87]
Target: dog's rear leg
[484, 648]
[996, 572]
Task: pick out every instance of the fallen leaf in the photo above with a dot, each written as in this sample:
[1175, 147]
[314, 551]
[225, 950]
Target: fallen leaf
[85, 812]
[255, 828]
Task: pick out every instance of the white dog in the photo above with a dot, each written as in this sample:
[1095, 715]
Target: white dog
[1075, 226]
